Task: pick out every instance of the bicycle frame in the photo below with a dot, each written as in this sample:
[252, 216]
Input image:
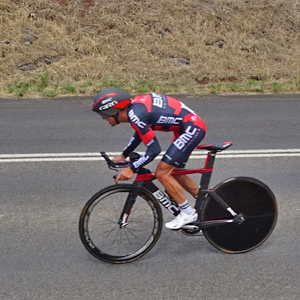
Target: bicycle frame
[145, 179]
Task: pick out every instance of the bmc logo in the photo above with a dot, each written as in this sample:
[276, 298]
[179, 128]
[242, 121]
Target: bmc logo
[185, 138]
[143, 159]
[166, 202]
[157, 100]
[136, 120]
[169, 120]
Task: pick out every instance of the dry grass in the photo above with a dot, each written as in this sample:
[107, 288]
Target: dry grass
[143, 45]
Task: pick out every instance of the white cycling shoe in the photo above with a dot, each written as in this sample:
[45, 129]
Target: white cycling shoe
[181, 220]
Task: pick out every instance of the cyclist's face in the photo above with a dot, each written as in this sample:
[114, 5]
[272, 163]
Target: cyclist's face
[111, 121]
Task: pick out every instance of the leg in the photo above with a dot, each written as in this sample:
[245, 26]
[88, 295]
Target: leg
[176, 157]
[188, 184]
[187, 215]
[163, 174]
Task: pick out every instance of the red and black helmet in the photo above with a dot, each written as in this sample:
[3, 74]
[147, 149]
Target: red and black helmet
[110, 102]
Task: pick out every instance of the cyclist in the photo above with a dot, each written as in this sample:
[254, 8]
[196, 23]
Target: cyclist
[147, 113]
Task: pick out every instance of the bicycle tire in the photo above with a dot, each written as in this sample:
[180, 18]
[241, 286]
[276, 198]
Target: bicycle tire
[255, 201]
[101, 234]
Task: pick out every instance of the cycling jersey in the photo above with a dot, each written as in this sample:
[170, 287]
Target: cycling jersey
[152, 112]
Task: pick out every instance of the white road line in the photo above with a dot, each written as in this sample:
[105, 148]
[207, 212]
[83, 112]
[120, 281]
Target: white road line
[95, 156]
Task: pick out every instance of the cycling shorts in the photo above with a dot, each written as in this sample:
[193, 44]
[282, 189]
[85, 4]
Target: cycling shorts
[184, 142]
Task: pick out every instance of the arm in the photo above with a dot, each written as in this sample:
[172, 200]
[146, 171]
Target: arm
[138, 120]
[133, 143]
[153, 149]
[138, 117]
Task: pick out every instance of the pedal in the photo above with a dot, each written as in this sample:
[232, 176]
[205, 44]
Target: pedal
[190, 227]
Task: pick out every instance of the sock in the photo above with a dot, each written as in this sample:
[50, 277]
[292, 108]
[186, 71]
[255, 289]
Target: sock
[186, 208]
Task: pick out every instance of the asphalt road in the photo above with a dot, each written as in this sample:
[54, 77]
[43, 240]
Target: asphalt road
[41, 253]
[69, 125]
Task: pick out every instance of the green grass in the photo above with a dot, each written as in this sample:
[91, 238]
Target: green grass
[83, 89]
[52, 92]
[216, 88]
[67, 88]
[43, 82]
[277, 87]
[111, 82]
[144, 85]
[46, 88]
[19, 89]
[251, 86]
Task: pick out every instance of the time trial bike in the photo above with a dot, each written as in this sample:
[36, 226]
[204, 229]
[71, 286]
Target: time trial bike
[123, 222]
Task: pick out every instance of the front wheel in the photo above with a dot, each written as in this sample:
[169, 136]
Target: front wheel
[101, 234]
[246, 196]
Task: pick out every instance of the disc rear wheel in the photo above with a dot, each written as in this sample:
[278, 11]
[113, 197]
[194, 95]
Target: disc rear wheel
[246, 196]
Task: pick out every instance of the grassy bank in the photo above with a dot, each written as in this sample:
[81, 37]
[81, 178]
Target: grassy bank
[54, 48]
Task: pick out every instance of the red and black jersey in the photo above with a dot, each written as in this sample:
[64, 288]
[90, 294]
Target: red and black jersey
[152, 112]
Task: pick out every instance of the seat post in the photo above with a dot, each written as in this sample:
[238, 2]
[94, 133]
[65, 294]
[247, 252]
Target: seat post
[205, 179]
[210, 160]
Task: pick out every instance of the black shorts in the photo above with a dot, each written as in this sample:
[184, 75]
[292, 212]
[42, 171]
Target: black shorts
[183, 144]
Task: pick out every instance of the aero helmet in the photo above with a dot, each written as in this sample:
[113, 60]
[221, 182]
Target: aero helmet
[110, 101]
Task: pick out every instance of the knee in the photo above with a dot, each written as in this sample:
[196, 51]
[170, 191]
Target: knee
[160, 175]
[163, 172]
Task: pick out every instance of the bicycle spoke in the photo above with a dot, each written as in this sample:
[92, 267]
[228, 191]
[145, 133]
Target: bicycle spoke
[116, 237]
[125, 232]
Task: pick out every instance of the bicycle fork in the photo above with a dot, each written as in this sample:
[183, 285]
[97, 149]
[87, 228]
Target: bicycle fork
[159, 195]
[123, 221]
